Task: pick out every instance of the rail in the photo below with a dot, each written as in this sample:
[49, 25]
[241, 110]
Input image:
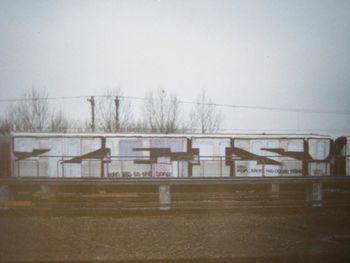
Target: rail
[142, 166]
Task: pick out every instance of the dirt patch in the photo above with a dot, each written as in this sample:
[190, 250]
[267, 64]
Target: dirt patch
[212, 235]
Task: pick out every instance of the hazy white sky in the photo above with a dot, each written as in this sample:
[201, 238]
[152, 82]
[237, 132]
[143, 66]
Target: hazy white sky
[265, 53]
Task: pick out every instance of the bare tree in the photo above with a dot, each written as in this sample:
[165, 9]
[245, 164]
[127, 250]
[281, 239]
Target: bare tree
[114, 113]
[33, 114]
[140, 126]
[204, 116]
[162, 111]
[59, 123]
[5, 125]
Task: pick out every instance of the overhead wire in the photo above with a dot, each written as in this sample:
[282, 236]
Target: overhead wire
[233, 106]
[46, 98]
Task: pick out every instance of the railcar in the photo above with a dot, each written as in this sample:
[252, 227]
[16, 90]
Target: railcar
[281, 155]
[49, 154]
[341, 161]
[140, 155]
[171, 155]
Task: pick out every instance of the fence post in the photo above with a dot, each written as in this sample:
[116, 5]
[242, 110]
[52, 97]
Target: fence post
[164, 197]
[275, 189]
[314, 194]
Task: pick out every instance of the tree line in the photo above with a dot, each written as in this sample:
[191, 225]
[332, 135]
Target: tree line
[161, 113]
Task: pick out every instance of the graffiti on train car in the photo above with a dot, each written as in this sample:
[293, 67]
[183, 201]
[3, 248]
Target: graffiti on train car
[161, 160]
[129, 174]
[285, 171]
[155, 153]
[241, 169]
[169, 157]
[247, 163]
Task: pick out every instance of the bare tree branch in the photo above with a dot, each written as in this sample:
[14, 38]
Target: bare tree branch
[204, 116]
[59, 123]
[5, 125]
[106, 112]
[162, 111]
[33, 114]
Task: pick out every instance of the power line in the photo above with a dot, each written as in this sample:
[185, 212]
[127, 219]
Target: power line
[282, 130]
[48, 98]
[285, 109]
[234, 106]
[343, 112]
[217, 131]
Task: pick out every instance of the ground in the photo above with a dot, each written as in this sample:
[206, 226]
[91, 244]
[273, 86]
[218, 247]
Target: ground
[225, 235]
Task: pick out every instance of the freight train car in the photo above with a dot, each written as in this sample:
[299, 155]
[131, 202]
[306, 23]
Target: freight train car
[173, 155]
[147, 155]
[50, 154]
[341, 162]
[5, 155]
[211, 159]
[281, 155]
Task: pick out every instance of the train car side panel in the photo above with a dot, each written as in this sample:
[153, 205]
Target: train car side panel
[90, 167]
[319, 150]
[292, 166]
[211, 157]
[267, 157]
[147, 156]
[123, 157]
[26, 167]
[168, 166]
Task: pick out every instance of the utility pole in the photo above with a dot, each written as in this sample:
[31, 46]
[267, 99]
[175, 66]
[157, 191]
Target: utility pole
[117, 124]
[92, 101]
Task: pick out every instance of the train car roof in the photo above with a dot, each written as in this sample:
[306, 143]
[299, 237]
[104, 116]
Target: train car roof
[177, 135]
